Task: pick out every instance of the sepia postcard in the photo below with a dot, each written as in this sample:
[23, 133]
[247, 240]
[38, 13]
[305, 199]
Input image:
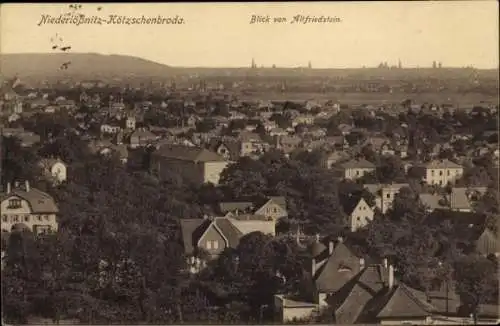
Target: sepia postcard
[250, 163]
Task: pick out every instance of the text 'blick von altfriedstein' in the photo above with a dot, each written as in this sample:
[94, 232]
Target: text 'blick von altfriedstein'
[297, 19]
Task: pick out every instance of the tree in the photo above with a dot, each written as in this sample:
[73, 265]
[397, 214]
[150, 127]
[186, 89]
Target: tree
[206, 125]
[390, 169]
[477, 283]
[18, 163]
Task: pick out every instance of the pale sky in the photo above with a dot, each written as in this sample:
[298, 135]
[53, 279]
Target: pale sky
[457, 33]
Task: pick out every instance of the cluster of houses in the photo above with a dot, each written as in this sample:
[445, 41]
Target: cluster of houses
[358, 288]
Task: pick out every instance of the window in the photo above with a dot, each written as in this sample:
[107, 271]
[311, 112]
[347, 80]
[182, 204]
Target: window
[209, 244]
[46, 217]
[26, 218]
[15, 218]
[215, 244]
[440, 173]
[4, 218]
[14, 203]
[357, 172]
[275, 210]
[432, 172]
[449, 172]
[39, 217]
[388, 195]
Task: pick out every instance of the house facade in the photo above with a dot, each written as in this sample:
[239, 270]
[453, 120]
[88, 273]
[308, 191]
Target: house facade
[357, 168]
[272, 208]
[196, 164]
[54, 169]
[384, 194]
[212, 235]
[23, 207]
[440, 172]
[359, 213]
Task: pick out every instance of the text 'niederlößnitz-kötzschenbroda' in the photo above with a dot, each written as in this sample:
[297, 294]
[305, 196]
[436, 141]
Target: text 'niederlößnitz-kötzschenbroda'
[82, 19]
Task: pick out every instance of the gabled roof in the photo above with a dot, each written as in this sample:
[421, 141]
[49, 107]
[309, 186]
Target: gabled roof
[280, 200]
[487, 243]
[193, 230]
[433, 201]
[442, 164]
[404, 301]
[48, 163]
[186, 153]
[232, 145]
[459, 197]
[349, 203]
[232, 206]
[317, 248]
[142, 133]
[328, 278]
[355, 297]
[253, 224]
[39, 201]
[229, 231]
[249, 136]
[358, 164]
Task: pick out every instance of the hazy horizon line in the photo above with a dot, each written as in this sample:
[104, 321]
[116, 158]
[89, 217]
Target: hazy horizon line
[390, 65]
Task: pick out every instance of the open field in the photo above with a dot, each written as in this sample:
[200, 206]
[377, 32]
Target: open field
[462, 100]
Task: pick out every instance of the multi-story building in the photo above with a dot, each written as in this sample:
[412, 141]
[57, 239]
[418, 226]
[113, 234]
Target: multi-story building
[440, 172]
[26, 208]
[385, 194]
[357, 168]
[212, 235]
[54, 169]
[198, 165]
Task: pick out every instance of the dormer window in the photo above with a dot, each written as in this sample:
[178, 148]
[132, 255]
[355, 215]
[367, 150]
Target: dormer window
[14, 203]
[344, 268]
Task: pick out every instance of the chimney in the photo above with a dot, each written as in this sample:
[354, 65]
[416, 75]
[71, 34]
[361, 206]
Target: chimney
[313, 267]
[361, 263]
[391, 276]
[385, 263]
[330, 247]
[340, 239]
[27, 185]
[8, 187]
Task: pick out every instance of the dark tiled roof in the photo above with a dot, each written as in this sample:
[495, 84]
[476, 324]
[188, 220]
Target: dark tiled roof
[280, 200]
[232, 206]
[365, 287]
[329, 278]
[349, 203]
[317, 248]
[403, 301]
[442, 164]
[194, 154]
[39, 201]
[192, 229]
[358, 164]
[231, 233]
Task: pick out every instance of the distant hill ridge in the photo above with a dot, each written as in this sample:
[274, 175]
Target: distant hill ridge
[93, 65]
[82, 64]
